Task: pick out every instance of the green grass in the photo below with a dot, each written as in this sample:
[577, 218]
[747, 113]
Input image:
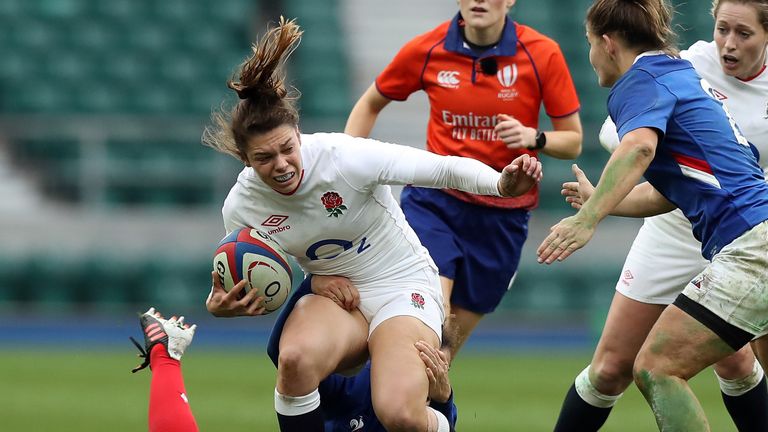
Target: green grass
[232, 391]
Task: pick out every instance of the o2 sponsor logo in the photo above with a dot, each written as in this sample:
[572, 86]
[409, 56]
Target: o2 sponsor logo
[331, 248]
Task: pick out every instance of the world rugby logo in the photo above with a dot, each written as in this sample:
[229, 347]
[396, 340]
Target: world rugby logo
[448, 79]
[507, 75]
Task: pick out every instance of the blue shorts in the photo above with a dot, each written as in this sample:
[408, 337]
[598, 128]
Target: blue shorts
[478, 247]
[273, 346]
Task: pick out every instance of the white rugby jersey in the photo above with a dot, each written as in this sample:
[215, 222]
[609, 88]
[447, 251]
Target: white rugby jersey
[747, 101]
[343, 220]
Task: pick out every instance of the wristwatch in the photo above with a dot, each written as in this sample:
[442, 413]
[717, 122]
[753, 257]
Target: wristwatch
[541, 141]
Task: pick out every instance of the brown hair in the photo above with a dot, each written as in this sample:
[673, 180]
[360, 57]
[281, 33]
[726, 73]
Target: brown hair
[265, 103]
[761, 6]
[642, 24]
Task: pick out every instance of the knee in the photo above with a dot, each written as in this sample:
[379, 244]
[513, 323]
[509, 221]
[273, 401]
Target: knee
[295, 367]
[404, 422]
[291, 359]
[739, 373]
[396, 417]
[645, 372]
[737, 365]
[611, 375]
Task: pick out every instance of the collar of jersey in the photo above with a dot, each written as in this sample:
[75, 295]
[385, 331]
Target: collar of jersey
[762, 69]
[297, 186]
[647, 54]
[506, 47]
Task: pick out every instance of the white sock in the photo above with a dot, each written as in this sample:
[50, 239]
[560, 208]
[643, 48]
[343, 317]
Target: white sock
[589, 393]
[296, 405]
[738, 387]
[442, 422]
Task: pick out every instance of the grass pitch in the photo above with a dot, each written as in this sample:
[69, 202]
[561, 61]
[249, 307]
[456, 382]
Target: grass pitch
[231, 391]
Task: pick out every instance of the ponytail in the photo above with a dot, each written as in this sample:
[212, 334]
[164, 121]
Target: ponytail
[265, 102]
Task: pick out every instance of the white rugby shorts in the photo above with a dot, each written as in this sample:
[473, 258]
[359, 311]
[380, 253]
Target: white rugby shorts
[663, 259]
[417, 294]
[735, 285]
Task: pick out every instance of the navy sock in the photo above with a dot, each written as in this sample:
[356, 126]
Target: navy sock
[578, 416]
[750, 410]
[307, 422]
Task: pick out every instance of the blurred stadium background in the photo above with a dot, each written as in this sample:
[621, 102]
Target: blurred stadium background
[108, 204]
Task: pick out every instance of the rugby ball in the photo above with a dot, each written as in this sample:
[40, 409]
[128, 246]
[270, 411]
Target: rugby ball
[250, 254]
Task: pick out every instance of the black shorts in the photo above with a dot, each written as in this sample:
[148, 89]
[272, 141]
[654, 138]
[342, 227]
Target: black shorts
[735, 337]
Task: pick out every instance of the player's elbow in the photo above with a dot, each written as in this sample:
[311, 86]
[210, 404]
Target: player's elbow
[566, 147]
[645, 151]
[574, 150]
[641, 144]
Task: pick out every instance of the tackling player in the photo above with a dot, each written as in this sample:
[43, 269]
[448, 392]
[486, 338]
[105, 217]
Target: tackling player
[673, 131]
[486, 77]
[332, 188]
[347, 400]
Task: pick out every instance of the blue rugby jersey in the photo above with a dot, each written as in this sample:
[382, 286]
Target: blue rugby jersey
[703, 164]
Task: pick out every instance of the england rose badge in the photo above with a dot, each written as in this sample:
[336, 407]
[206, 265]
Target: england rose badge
[333, 203]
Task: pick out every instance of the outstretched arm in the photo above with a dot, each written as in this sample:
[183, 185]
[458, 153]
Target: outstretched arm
[642, 201]
[369, 162]
[622, 172]
[473, 176]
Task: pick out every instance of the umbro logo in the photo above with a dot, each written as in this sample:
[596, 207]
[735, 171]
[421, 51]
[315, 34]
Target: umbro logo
[626, 277]
[697, 282]
[448, 79]
[276, 221]
[718, 95]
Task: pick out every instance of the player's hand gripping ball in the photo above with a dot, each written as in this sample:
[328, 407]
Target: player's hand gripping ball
[253, 255]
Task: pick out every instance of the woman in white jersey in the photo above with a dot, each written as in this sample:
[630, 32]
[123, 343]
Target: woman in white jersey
[665, 256]
[328, 192]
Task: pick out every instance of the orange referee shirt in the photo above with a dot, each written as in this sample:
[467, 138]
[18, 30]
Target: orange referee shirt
[465, 101]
